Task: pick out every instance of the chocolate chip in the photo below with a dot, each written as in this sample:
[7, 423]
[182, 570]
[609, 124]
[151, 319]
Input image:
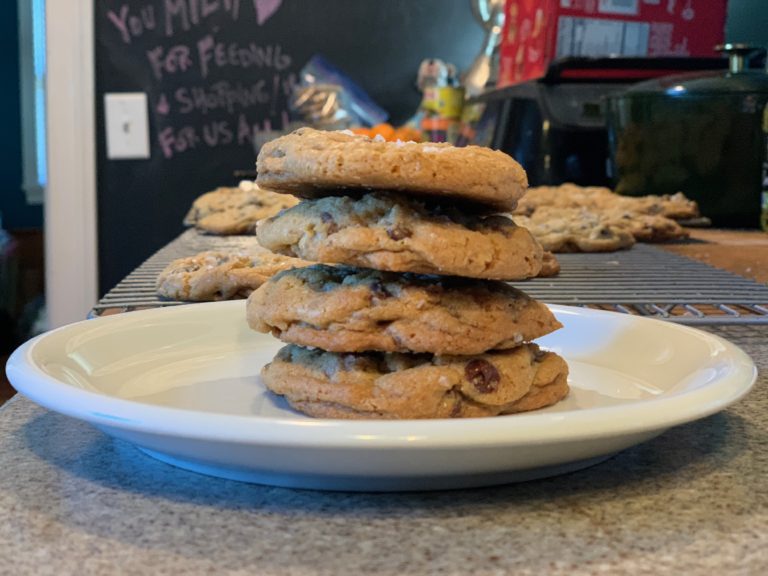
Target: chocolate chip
[500, 224]
[368, 362]
[378, 290]
[399, 232]
[456, 409]
[482, 375]
[327, 218]
[434, 289]
[538, 354]
[354, 362]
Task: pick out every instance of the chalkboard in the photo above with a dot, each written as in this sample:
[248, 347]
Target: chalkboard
[218, 73]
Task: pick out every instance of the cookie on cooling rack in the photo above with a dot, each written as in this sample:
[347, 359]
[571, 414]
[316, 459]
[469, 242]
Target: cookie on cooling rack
[645, 227]
[231, 211]
[221, 275]
[550, 266]
[562, 230]
[600, 199]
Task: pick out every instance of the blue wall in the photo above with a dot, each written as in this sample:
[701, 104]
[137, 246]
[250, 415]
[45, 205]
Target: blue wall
[13, 205]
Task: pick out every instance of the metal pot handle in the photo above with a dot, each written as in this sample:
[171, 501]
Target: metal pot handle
[737, 55]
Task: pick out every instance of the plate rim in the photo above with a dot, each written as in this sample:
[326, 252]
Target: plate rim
[336, 433]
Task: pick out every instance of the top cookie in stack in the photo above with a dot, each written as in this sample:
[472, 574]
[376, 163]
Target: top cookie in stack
[310, 163]
[412, 321]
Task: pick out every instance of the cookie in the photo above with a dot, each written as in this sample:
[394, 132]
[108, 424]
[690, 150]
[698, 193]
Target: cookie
[217, 275]
[564, 196]
[550, 266]
[603, 227]
[394, 233]
[601, 199]
[392, 385]
[645, 227]
[311, 163]
[562, 230]
[230, 211]
[675, 206]
[342, 309]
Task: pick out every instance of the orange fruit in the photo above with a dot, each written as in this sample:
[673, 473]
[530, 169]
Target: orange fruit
[386, 131]
[407, 134]
[361, 130]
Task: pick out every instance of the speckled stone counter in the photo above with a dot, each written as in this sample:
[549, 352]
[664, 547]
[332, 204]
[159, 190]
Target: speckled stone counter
[693, 501]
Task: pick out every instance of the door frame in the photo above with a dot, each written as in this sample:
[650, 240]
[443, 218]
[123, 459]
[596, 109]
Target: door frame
[71, 250]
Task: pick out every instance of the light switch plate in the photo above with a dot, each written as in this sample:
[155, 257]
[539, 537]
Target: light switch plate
[127, 125]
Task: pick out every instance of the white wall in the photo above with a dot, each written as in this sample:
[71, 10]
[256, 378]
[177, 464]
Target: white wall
[70, 201]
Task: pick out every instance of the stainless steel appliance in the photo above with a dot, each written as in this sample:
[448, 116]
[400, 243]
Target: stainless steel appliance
[556, 126]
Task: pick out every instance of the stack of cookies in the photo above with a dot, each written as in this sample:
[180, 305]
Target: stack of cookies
[407, 313]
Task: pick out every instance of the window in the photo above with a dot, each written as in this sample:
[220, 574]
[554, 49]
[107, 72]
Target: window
[32, 72]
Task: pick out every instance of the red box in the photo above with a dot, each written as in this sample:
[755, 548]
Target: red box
[536, 32]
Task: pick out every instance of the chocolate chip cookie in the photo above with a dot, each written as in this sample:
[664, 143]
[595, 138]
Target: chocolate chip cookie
[550, 266]
[230, 211]
[343, 309]
[599, 199]
[644, 227]
[562, 230]
[311, 163]
[392, 385]
[399, 234]
[217, 275]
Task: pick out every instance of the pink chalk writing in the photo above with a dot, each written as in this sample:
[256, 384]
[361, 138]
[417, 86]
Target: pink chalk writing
[163, 107]
[265, 9]
[214, 55]
[173, 141]
[231, 54]
[182, 15]
[186, 14]
[221, 96]
[174, 59]
[220, 92]
[215, 133]
[132, 25]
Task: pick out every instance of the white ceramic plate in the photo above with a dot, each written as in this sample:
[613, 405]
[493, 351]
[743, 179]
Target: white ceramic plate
[183, 385]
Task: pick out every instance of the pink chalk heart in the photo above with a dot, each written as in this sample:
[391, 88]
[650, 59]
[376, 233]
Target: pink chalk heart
[265, 9]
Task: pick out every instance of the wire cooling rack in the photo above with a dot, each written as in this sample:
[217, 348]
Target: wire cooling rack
[644, 280]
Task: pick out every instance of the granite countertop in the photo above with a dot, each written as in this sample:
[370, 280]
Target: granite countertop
[693, 501]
